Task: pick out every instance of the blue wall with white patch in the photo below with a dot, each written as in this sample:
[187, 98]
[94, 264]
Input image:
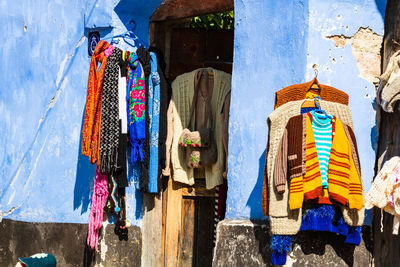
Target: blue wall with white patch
[44, 70]
[277, 43]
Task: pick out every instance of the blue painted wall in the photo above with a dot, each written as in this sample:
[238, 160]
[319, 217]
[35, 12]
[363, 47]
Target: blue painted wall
[44, 66]
[276, 44]
[338, 66]
[43, 89]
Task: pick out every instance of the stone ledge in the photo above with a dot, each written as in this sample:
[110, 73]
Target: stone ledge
[246, 243]
[67, 242]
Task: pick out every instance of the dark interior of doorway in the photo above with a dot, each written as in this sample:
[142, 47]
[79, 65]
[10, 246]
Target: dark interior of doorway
[187, 44]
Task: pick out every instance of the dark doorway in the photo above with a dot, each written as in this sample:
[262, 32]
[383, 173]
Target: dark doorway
[188, 39]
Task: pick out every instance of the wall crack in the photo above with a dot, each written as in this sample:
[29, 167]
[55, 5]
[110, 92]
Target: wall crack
[366, 48]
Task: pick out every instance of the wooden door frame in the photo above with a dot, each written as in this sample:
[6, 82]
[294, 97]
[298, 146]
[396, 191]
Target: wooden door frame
[155, 217]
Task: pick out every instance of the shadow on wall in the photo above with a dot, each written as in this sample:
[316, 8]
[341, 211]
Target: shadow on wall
[316, 243]
[122, 9]
[254, 201]
[84, 182]
[381, 5]
[128, 10]
[85, 173]
[374, 130]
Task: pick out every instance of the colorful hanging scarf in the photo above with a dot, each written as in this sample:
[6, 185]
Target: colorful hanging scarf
[100, 194]
[136, 108]
[110, 113]
[154, 116]
[144, 59]
[92, 119]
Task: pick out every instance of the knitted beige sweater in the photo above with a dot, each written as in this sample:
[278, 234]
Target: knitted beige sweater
[182, 98]
[284, 221]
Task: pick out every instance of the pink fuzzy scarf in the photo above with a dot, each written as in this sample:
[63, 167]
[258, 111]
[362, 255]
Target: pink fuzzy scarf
[100, 193]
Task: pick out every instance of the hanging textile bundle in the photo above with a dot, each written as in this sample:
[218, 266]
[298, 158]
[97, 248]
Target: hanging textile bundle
[144, 59]
[385, 192]
[92, 119]
[110, 113]
[323, 150]
[136, 108]
[154, 118]
[100, 193]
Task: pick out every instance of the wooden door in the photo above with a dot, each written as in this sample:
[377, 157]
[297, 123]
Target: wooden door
[189, 211]
[189, 225]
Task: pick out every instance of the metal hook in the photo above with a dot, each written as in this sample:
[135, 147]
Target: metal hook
[134, 24]
[316, 73]
[316, 103]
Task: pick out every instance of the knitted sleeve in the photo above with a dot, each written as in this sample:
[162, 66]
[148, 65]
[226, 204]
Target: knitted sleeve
[225, 128]
[356, 200]
[356, 186]
[265, 182]
[280, 169]
[354, 150]
[168, 142]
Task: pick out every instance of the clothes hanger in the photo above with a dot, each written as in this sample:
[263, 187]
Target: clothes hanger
[129, 34]
[319, 110]
[311, 92]
[132, 35]
[210, 73]
[137, 41]
[315, 85]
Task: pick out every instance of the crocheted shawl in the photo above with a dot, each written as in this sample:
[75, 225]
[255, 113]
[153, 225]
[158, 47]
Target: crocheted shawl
[110, 113]
[136, 107]
[92, 118]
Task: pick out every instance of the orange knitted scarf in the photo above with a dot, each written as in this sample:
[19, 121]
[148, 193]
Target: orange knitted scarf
[92, 119]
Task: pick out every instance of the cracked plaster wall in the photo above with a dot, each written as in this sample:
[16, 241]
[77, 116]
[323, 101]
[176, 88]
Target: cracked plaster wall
[280, 43]
[366, 47]
[44, 68]
[344, 42]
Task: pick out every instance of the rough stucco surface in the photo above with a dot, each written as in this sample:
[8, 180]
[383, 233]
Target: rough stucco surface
[42, 96]
[366, 47]
[244, 243]
[66, 241]
[351, 68]
[113, 252]
[270, 55]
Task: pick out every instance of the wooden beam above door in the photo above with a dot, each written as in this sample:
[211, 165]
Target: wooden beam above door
[180, 9]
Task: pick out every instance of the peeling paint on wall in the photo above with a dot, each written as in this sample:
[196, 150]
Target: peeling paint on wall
[344, 41]
[275, 61]
[103, 246]
[366, 47]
